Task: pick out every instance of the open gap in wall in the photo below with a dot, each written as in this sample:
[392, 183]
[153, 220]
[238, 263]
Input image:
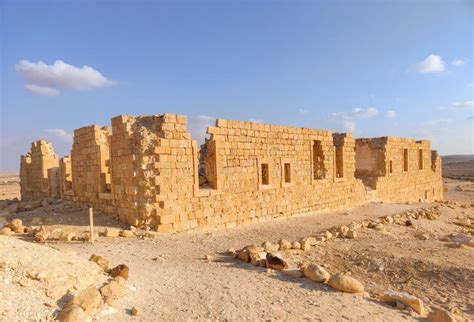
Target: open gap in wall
[208, 165]
[339, 162]
[319, 172]
[405, 160]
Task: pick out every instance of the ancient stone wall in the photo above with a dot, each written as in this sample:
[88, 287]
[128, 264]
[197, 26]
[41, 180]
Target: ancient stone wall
[90, 164]
[39, 172]
[150, 172]
[65, 178]
[400, 169]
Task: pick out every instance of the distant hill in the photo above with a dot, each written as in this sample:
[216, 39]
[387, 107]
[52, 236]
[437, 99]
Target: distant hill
[458, 158]
[458, 166]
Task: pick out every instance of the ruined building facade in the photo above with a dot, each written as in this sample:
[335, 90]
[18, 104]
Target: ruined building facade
[150, 172]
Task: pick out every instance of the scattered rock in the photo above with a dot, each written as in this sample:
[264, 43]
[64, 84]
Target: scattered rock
[120, 270]
[135, 311]
[466, 222]
[230, 251]
[67, 236]
[346, 283]
[73, 313]
[295, 245]
[209, 257]
[6, 231]
[305, 244]
[101, 261]
[127, 233]
[112, 232]
[351, 234]
[285, 244]
[112, 291]
[327, 234]
[405, 298]
[256, 258]
[41, 235]
[270, 247]
[89, 300]
[275, 261]
[316, 273]
[440, 315]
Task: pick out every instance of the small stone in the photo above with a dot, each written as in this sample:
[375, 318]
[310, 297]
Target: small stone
[135, 311]
[270, 247]
[15, 223]
[327, 234]
[440, 315]
[316, 273]
[295, 245]
[41, 235]
[67, 236]
[346, 283]
[275, 261]
[89, 300]
[209, 257]
[305, 244]
[466, 222]
[285, 244]
[256, 258]
[405, 298]
[351, 234]
[112, 291]
[230, 251]
[6, 231]
[379, 227]
[73, 313]
[120, 270]
[388, 220]
[127, 233]
[101, 261]
[112, 232]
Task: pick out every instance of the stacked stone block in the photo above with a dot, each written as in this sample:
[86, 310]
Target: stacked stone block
[90, 163]
[39, 172]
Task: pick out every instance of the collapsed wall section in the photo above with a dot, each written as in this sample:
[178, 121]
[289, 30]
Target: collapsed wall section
[90, 164]
[401, 170]
[39, 172]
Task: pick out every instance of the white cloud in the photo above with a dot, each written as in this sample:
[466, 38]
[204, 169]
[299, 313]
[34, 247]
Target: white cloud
[59, 134]
[303, 111]
[364, 112]
[197, 126]
[390, 114]
[42, 90]
[43, 79]
[432, 64]
[348, 125]
[459, 62]
[465, 104]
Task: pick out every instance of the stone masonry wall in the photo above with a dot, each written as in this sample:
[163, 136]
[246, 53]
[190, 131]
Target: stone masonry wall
[38, 172]
[147, 170]
[90, 163]
[403, 169]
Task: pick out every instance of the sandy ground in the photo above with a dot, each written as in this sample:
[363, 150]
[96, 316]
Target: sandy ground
[170, 280]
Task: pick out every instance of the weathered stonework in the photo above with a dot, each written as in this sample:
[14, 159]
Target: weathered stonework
[39, 176]
[150, 172]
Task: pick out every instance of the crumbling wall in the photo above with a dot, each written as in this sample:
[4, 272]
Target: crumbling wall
[149, 172]
[90, 163]
[406, 169]
[65, 178]
[34, 169]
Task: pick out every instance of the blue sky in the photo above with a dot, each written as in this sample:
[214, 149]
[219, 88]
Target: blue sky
[374, 68]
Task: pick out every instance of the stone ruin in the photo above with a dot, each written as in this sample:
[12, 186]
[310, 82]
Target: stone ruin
[150, 172]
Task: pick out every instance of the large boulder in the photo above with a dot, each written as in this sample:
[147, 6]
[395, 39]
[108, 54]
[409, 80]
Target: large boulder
[112, 291]
[405, 298]
[346, 283]
[275, 261]
[120, 270]
[440, 315]
[316, 273]
[73, 313]
[89, 300]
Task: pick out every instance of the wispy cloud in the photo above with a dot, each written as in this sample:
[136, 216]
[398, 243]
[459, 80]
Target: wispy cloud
[59, 134]
[459, 62]
[390, 114]
[48, 80]
[464, 104]
[432, 64]
[303, 111]
[348, 119]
